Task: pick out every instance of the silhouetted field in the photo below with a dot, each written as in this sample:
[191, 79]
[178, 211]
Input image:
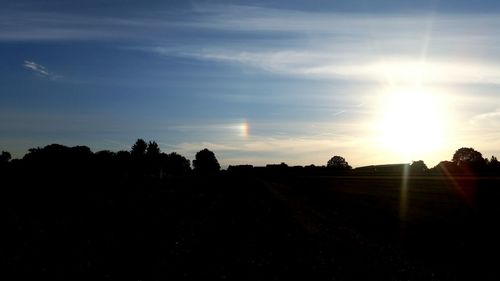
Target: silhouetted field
[78, 227]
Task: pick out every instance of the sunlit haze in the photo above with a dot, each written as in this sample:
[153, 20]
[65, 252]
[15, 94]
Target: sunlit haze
[256, 82]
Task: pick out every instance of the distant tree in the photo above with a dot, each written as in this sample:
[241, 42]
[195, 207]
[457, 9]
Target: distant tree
[494, 164]
[59, 154]
[176, 164]
[123, 160]
[123, 156]
[5, 157]
[105, 157]
[205, 162]
[105, 154]
[444, 167]
[139, 148]
[338, 163]
[418, 167]
[153, 149]
[468, 157]
[59, 159]
[80, 152]
[493, 161]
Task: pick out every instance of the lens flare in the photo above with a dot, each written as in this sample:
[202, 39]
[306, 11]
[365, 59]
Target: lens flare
[403, 199]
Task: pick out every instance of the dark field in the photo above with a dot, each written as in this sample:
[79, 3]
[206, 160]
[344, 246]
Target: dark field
[252, 228]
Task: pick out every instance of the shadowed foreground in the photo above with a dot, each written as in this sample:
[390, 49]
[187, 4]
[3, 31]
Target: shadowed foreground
[77, 227]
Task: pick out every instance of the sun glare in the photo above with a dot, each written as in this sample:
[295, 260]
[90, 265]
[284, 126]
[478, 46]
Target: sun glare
[412, 123]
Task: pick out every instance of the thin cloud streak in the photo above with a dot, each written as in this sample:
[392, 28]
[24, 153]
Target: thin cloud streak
[311, 44]
[323, 66]
[37, 68]
[486, 119]
[40, 70]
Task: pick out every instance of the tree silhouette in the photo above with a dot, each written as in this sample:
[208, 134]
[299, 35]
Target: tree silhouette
[468, 157]
[153, 149]
[105, 156]
[153, 161]
[418, 167]
[176, 165]
[5, 157]
[338, 163]
[494, 162]
[122, 156]
[59, 154]
[139, 148]
[205, 162]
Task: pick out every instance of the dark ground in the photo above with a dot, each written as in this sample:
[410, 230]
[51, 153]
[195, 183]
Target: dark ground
[250, 228]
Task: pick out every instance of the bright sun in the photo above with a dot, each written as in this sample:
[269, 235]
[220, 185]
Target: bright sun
[412, 122]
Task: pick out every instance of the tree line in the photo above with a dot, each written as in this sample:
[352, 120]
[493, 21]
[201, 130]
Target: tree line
[147, 159]
[143, 159]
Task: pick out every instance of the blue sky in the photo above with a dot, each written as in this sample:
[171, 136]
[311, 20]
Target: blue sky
[255, 81]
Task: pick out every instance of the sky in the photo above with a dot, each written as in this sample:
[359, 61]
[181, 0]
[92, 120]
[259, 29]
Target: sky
[256, 82]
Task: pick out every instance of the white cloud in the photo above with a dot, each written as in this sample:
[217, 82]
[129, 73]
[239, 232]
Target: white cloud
[488, 119]
[40, 70]
[383, 69]
[448, 48]
[348, 46]
[327, 65]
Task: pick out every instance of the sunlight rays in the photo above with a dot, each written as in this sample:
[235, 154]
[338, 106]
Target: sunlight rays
[403, 199]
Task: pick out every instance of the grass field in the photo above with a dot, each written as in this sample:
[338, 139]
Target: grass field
[253, 228]
[442, 226]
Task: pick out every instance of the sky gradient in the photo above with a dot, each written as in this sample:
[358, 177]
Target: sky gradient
[254, 81]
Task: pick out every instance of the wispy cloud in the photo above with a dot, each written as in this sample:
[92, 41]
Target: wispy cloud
[348, 46]
[487, 119]
[40, 70]
[46, 26]
[324, 45]
[392, 69]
